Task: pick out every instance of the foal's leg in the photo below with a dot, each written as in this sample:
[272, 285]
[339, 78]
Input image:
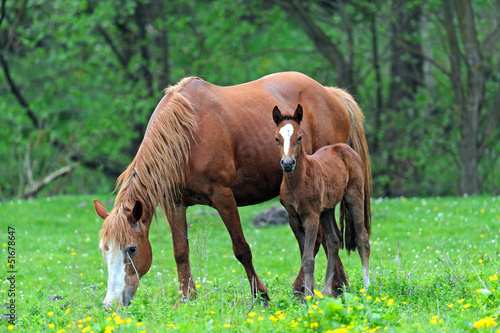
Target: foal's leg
[333, 244]
[355, 205]
[311, 225]
[223, 200]
[298, 231]
[177, 220]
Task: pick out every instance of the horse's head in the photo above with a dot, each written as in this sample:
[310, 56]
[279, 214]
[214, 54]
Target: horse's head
[126, 249]
[289, 137]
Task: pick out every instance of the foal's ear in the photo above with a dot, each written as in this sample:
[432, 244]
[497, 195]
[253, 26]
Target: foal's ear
[137, 211]
[100, 209]
[297, 116]
[277, 116]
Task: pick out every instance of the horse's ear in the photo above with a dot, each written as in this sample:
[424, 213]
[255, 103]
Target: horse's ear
[277, 116]
[100, 209]
[297, 116]
[137, 211]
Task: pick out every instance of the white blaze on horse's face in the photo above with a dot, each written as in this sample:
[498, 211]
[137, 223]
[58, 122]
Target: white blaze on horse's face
[116, 274]
[286, 132]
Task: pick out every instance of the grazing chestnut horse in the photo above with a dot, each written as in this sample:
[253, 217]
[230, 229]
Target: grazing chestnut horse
[210, 145]
[311, 188]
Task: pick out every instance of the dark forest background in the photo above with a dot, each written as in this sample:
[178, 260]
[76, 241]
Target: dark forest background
[79, 80]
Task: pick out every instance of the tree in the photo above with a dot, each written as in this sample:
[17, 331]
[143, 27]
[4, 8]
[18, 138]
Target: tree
[468, 89]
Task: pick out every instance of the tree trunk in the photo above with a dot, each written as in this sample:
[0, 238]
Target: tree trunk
[468, 97]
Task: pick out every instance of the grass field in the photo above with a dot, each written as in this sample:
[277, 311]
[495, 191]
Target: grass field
[435, 264]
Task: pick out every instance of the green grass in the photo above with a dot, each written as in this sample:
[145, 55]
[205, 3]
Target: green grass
[433, 266]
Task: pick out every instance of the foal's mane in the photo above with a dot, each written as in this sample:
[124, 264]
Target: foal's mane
[156, 173]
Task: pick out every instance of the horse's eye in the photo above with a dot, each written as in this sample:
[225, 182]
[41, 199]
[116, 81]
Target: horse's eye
[277, 140]
[132, 250]
[299, 139]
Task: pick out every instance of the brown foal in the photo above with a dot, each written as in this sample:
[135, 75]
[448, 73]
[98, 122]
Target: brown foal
[311, 188]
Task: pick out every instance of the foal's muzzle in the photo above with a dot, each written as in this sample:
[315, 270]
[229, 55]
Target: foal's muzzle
[288, 165]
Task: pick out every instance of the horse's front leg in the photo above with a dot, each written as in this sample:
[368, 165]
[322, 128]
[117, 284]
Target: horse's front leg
[177, 219]
[310, 223]
[223, 200]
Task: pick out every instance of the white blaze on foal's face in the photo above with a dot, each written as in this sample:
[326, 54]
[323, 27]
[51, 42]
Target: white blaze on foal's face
[116, 273]
[286, 133]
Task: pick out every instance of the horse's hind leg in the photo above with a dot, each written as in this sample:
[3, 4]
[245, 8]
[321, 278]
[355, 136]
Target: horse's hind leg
[177, 220]
[223, 200]
[355, 205]
[333, 245]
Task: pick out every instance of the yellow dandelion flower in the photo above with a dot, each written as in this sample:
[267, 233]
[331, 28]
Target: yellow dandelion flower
[308, 297]
[197, 286]
[294, 324]
[405, 303]
[86, 329]
[433, 322]
[80, 326]
[252, 314]
[317, 293]
[260, 318]
[369, 297]
[377, 300]
[268, 273]
[485, 322]
[227, 325]
[356, 298]
[450, 305]
[249, 320]
[50, 314]
[389, 303]
[313, 325]
[362, 290]
[384, 298]
[233, 271]
[212, 312]
[461, 300]
[360, 307]
[10, 327]
[435, 317]
[466, 305]
[52, 325]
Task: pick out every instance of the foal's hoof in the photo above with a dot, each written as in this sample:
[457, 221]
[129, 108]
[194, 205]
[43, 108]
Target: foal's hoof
[298, 290]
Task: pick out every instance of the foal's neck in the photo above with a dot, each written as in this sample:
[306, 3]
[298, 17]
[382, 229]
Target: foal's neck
[299, 174]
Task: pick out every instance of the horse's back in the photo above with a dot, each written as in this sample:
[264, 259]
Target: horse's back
[235, 146]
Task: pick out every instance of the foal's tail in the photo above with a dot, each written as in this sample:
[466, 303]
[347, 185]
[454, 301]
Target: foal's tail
[357, 141]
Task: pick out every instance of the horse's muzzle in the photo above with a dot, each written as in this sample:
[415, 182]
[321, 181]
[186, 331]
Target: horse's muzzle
[288, 165]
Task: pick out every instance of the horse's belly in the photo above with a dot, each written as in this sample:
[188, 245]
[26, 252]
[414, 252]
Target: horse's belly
[257, 186]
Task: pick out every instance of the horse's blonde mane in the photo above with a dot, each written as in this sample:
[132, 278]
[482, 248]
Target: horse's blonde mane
[156, 173]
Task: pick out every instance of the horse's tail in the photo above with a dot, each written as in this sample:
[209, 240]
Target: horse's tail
[357, 141]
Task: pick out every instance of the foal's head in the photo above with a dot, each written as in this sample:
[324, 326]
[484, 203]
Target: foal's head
[126, 249]
[289, 137]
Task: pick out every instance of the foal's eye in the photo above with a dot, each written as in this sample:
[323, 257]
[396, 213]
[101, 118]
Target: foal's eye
[277, 140]
[299, 139]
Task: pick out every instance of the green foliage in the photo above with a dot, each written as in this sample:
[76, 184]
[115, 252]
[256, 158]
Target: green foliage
[92, 81]
[434, 267]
